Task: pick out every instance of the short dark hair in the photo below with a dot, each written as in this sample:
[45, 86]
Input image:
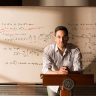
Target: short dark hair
[61, 28]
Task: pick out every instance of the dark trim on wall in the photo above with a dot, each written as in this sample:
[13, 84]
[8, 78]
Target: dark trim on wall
[10, 2]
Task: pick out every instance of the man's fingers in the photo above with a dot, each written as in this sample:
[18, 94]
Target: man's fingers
[65, 67]
[63, 70]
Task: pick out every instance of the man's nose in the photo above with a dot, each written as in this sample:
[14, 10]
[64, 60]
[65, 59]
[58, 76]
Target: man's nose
[62, 39]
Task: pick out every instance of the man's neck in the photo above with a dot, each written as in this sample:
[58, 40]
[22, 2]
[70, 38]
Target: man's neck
[61, 50]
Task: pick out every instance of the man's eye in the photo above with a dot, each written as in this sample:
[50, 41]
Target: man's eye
[58, 37]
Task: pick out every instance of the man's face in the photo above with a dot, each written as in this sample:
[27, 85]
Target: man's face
[61, 38]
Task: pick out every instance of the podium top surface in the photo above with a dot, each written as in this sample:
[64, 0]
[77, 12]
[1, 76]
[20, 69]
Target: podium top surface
[79, 79]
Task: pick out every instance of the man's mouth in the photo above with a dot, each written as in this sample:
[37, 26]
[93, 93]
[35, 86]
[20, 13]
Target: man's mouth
[62, 43]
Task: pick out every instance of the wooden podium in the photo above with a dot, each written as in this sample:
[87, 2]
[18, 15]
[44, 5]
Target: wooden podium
[78, 79]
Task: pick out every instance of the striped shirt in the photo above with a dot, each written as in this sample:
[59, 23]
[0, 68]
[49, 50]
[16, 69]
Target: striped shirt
[53, 60]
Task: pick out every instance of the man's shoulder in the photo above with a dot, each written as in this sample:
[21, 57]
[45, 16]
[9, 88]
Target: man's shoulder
[50, 47]
[72, 47]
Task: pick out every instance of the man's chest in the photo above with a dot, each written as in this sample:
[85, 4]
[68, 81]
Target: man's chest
[65, 60]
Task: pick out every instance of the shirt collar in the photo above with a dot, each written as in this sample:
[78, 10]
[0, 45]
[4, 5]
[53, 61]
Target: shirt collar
[66, 49]
[56, 48]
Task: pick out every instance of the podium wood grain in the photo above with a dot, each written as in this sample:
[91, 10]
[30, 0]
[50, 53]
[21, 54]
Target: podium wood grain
[80, 79]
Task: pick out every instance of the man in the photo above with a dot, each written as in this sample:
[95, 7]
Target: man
[60, 58]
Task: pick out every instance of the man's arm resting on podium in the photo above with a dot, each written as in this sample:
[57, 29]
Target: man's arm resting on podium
[63, 70]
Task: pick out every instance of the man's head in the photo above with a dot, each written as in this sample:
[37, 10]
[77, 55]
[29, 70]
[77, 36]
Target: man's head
[61, 36]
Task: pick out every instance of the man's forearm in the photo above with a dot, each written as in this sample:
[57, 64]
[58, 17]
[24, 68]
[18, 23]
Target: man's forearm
[57, 72]
[52, 72]
[61, 71]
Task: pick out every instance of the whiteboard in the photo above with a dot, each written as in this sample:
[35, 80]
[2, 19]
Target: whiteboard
[26, 31]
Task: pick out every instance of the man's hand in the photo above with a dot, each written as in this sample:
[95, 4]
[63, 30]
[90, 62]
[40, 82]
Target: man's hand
[64, 70]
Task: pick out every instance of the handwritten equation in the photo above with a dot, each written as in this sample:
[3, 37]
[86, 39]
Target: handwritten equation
[89, 40]
[43, 39]
[82, 26]
[24, 52]
[88, 36]
[11, 29]
[83, 29]
[31, 38]
[90, 53]
[76, 24]
[22, 63]
[87, 68]
[16, 24]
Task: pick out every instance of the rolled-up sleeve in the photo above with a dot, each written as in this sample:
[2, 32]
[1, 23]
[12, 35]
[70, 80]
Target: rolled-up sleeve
[77, 64]
[47, 61]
